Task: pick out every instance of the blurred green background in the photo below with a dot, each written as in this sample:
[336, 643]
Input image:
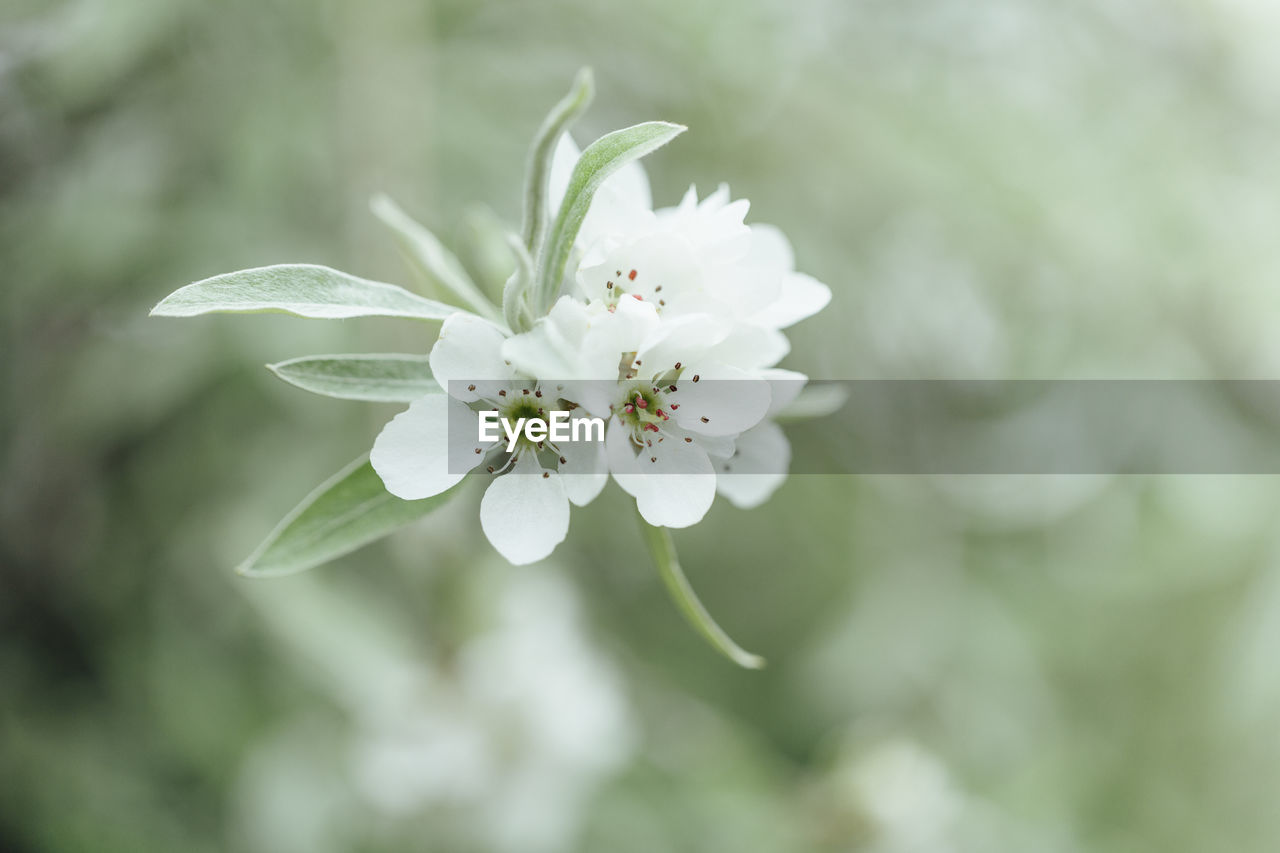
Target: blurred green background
[993, 189]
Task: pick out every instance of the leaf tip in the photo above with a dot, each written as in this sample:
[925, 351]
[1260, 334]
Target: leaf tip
[161, 308]
[246, 569]
[381, 204]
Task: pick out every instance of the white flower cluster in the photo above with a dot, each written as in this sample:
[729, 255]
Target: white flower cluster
[670, 329]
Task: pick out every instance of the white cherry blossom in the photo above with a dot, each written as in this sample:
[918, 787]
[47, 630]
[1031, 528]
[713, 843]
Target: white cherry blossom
[696, 257]
[672, 334]
[525, 509]
[672, 397]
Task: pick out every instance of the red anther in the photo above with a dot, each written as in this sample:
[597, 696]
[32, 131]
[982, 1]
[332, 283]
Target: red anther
[675, 406]
[642, 402]
[632, 275]
[637, 297]
[653, 427]
[628, 408]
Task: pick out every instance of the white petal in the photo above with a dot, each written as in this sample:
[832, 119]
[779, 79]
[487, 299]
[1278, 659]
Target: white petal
[469, 350]
[754, 282]
[717, 231]
[715, 445]
[552, 348]
[688, 204]
[757, 468]
[577, 341]
[672, 482]
[660, 260]
[584, 471]
[625, 329]
[771, 248]
[717, 200]
[752, 347]
[621, 455]
[563, 159]
[631, 185]
[412, 453]
[743, 289]
[784, 387]
[680, 339]
[714, 228]
[525, 514]
[724, 400]
[801, 296]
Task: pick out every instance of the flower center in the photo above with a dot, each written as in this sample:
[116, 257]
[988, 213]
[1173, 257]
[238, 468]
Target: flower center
[627, 284]
[643, 408]
[530, 409]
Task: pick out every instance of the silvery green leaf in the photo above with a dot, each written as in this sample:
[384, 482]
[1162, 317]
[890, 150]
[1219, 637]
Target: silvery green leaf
[562, 115]
[600, 160]
[392, 378]
[515, 296]
[349, 510]
[305, 290]
[484, 250]
[663, 550]
[429, 256]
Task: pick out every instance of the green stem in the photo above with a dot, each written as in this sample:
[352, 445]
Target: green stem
[663, 549]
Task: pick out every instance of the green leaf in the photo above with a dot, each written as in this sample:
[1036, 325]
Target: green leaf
[483, 249]
[663, 549]
[349, 510]
[392, 378]
[515, 305]
[429, 256]
[600, 160]
[537, 173]
[305, 290]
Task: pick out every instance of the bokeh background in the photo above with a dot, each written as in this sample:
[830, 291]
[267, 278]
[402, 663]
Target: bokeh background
[996, 189]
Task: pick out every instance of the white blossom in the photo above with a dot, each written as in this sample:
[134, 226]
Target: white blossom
[525, 509]
[672, 332]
